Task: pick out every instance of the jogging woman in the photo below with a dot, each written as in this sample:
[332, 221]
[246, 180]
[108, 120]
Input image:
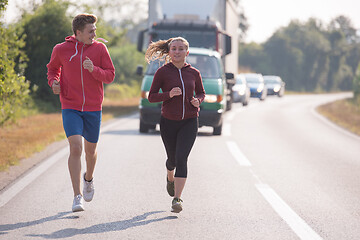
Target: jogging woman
[178, 81]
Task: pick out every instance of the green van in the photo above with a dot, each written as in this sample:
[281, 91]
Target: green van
[211, 113]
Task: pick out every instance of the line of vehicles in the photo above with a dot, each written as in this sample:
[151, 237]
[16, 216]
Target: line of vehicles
[256, 85]
[211, 27]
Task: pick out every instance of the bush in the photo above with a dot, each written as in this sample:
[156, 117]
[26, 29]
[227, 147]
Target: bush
[122, 91]
[126, 58]
[42, 29]
[14, 89]
[356, 85]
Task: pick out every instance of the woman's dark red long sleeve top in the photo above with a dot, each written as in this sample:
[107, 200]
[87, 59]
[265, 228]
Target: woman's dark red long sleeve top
[188, 79]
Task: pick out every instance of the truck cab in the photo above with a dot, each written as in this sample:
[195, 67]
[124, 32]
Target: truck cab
[212, 110]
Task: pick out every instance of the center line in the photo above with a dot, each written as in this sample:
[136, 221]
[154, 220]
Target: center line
[227, 130]
[296, 223]
[238, 155]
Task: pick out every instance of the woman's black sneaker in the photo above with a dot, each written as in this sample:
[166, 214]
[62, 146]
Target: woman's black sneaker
[176, 205]
[170, 187]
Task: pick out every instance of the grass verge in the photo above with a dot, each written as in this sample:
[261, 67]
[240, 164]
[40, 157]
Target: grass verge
[345, 113]
[32, 134]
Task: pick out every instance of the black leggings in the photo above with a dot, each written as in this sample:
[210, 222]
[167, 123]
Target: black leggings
[178, 138]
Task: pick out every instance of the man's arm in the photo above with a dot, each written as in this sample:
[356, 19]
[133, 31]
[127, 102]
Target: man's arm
[54, 67]
[106, 72]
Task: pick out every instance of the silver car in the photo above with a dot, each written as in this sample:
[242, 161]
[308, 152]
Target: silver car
[241, 90]
[275, 85]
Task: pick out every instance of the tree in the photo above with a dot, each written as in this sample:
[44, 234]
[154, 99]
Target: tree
[125, 59]
[356, 85]
[14, 94]
[309, 56]
[45, 27]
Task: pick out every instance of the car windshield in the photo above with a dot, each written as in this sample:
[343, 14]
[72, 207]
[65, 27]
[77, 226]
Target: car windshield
[207, 65]
[253, 79]
[240, 81]
[271, 80]
[153, 66]
[205, 39]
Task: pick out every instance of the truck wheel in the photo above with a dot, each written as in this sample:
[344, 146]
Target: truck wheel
[144, 128]
[217, 130]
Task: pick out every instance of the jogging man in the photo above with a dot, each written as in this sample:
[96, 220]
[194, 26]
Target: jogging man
[77, 70]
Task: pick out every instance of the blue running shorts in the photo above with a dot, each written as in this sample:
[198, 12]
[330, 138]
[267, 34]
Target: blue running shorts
[86, 124]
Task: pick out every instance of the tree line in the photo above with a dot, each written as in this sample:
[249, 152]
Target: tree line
[309, 56]
[26, 46]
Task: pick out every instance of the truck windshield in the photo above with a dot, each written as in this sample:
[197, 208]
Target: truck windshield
[207, 65]
[200, 39]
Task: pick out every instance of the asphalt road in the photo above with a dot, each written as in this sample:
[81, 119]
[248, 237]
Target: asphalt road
[278, 171]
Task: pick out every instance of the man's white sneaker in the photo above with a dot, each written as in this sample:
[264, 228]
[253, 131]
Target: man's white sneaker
[78, 204]
[88, 190]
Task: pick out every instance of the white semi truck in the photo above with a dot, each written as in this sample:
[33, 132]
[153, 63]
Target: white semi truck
[210, 24]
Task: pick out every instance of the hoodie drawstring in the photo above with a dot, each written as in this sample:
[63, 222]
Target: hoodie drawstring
[75, 52]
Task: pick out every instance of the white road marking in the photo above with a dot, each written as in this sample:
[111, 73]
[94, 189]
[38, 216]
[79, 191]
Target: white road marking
[238, 110]
[227, 130]
[238, 155]
[7, 194]
[296, 223]
[12, 191]
[230, 116]
[255, 176]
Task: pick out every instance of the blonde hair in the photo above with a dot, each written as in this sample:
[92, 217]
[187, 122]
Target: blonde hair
[160, 49]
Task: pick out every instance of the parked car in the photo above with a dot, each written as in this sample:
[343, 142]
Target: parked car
[257, 86]
[275, 85]
[213, 107]
[241, 90]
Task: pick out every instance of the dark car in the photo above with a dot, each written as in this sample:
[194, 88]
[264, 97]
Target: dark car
[275, 85]
[257, 86]
[241, 90]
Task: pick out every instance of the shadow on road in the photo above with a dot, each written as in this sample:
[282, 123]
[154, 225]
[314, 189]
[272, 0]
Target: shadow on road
[59, 216]
[98, 228]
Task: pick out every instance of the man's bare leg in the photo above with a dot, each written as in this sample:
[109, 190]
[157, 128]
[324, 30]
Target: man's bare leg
[74, 162]
[91, 157]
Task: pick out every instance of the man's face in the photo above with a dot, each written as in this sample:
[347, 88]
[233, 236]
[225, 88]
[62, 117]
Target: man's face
[88, 34]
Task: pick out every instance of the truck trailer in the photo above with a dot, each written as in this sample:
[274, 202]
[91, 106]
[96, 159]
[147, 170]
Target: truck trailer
[207, 24]
[210, 24]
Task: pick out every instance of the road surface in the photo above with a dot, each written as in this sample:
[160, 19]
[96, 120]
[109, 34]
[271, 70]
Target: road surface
[278, 171]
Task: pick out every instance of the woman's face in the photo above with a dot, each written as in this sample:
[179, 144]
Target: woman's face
[178, 52]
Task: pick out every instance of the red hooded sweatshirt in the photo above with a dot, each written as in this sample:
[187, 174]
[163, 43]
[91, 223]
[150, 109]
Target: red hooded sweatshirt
[188, 79]
[80, 89]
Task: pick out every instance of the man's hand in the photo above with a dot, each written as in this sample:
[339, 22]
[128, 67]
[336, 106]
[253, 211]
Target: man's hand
[56, 87]
[195, 102]
[176, 91]
[88, 64]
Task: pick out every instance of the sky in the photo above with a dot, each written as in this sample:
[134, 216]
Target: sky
[266, 16]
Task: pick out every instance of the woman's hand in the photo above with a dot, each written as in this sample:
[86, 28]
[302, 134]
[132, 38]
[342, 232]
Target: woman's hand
[195, 102]
[176, 91]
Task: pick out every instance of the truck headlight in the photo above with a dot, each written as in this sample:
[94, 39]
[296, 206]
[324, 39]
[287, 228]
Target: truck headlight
[144, 94]
[212, 98]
